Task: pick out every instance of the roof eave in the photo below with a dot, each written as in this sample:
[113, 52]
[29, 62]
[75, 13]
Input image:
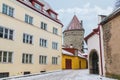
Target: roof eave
[111, 16]
[74, 30]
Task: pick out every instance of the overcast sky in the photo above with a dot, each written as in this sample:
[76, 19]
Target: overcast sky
[86, 10]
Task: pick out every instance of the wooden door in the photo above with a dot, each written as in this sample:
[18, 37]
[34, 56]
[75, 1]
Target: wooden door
[68, 64]
[79, 64]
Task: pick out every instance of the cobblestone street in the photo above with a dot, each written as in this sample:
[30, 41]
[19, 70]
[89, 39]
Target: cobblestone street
[66, 75]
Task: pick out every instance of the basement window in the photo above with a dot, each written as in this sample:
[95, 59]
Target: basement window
[5, 74]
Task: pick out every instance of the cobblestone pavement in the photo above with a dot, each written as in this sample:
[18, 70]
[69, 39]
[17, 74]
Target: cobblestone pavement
[66, 75]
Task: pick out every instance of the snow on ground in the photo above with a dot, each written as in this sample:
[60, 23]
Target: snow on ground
[66, 75]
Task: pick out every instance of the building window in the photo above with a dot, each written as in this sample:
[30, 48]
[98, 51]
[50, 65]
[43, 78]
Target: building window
[55, 45]
[7, 10]
[54, 60]
[43, 42]
[37, 6]
[27, 38]
[53, 15]
[43, 26]
[27, 58]
[42, 59]
[4, 74]
[6, 57]
[25, 73]
[55, 30]
[28, 19]
[6, 33]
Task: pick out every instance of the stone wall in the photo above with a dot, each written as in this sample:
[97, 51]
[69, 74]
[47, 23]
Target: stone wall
[111, 36]
[74, 37]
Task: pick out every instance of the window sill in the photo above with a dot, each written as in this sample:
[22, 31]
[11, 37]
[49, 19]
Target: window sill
[55, 34]
[43, 47]
[7, 39]
[6, 63]
[27, 63]
[55, 64]
[43, 29]
[28, 43]
[28, 23]
[8, 15]
[42, 64]
[55, 49]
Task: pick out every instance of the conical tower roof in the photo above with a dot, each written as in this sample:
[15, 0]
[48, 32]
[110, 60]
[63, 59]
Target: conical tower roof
[75, 24]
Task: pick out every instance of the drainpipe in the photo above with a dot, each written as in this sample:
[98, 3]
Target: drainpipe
[100, 49]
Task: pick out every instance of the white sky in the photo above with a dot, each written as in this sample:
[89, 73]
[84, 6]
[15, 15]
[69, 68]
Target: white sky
[86, 10]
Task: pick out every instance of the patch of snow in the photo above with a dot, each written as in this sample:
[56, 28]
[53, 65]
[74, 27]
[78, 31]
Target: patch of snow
[66, 52]
[66, 75]
[80, 54]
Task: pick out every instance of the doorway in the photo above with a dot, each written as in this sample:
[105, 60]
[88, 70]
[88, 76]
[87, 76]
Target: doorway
[68, 63]
[93, 63]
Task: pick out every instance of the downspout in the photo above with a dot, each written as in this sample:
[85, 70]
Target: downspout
[100, 49]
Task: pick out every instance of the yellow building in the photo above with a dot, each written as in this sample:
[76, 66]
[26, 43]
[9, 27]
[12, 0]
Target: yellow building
[30, 37]
[73, 59]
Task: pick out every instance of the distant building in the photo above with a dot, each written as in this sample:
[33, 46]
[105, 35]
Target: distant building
[73, 59]
[74, 34]
[30, 37]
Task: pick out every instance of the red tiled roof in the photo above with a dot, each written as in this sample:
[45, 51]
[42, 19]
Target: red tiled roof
[74, 24]
[44, 11]
[71, 50]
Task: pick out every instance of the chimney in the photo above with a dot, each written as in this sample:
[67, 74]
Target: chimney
[76, 52]
[101, 18]
[81, 23]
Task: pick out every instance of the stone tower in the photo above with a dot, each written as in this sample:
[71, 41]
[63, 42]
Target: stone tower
[74, 34]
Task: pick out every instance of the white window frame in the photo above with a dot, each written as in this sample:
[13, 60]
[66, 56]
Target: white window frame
[55, 45]
[54, 60]
[28, 19]
[8, 10]
[43, 26]
[55, 30]
[7, 57]
[43, 42]
[8, 34]
[25, 38]
[27, 61]
[42, 59]
[37, 6]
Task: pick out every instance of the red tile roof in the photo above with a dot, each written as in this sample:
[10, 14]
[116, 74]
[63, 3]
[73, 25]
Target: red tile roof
[71, 50]
[75, 24]
[43, 11]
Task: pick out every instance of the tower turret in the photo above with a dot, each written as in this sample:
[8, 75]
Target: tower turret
[74, 34]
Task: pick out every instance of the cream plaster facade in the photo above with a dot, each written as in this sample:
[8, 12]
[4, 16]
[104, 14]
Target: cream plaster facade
[17, 46]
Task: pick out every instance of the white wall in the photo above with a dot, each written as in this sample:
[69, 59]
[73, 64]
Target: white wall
[93, 44]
